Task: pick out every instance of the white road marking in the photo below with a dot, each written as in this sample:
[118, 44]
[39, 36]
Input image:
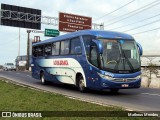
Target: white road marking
[151, 94]
[17, 73]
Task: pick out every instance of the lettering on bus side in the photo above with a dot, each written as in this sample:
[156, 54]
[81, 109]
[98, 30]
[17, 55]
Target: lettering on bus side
[60, 62]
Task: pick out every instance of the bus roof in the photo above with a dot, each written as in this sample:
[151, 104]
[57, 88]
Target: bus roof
[97, 33]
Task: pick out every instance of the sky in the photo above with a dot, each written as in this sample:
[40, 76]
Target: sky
[99, 11]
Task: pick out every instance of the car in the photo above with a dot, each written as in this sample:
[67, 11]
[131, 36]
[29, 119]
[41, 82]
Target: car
[9, 66]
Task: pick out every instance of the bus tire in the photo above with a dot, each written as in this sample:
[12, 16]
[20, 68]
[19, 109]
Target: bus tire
[43, 81]
[114, 90]
[81, 85]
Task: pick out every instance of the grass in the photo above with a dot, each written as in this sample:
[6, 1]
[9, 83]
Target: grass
[17, 98]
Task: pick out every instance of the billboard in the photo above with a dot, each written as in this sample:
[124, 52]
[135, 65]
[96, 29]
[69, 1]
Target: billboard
[71, 22]
[23, 17]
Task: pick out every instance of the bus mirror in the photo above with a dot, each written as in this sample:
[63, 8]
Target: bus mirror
[99, 46]
[140, 49]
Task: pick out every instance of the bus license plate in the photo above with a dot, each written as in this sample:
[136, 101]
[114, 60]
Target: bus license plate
[125, 85]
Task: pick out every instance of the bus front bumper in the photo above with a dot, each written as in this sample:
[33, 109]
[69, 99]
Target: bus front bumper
[106, 84]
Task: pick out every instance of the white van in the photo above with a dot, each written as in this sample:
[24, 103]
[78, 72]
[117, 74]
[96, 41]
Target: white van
[9, 66]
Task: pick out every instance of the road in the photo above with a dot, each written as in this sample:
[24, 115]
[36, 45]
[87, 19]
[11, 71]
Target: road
[142, 99]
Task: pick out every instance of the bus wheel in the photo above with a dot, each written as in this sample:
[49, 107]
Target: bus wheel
[81, 85]
[43, 81]
[114, 90]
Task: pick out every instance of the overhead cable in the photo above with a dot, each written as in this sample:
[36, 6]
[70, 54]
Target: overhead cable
[150, 6]
[114, 10]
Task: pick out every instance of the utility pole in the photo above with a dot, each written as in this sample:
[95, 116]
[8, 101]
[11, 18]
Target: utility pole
[101, 26]
[19, 43]
[28, 43]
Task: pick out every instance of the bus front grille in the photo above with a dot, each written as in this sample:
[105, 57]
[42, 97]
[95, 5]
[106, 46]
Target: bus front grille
[124, 80]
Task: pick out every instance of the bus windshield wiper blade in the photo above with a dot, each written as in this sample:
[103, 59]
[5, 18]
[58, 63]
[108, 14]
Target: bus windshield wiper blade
[125, 58]
[129, 63]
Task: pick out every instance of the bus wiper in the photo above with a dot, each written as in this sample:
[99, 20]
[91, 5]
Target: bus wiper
[129, 63]
[123, 57]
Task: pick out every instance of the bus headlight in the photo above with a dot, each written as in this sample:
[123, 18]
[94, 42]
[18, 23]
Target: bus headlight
[105, 77]
[138, 77]
[109, 78]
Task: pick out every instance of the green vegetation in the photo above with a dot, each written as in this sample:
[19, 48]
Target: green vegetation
[17, 98]
[152, 69]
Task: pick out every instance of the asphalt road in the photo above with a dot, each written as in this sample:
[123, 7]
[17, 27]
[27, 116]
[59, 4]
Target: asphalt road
[142, 99]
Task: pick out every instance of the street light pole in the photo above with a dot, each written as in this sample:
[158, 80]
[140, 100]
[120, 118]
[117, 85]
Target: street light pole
[28, 43]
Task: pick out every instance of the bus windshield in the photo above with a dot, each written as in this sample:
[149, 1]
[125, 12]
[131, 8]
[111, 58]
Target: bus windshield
[120, 56]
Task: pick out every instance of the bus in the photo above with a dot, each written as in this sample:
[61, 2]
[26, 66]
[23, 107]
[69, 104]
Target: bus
[91, 59]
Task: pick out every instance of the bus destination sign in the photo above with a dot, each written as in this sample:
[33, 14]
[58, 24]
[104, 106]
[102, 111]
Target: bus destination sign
[72, 23]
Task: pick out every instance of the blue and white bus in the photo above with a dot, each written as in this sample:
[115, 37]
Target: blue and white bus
[89, 59]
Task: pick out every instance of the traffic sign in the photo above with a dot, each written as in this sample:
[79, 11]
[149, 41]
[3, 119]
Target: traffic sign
[51, 32]
[72, 22]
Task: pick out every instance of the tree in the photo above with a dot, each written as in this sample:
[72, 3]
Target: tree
[152, 69]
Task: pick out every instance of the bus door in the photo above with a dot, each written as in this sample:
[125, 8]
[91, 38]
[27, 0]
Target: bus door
[95, 64]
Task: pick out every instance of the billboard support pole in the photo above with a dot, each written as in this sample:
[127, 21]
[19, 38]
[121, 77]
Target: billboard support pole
[28, 43]
[0, 14]
[19, 43]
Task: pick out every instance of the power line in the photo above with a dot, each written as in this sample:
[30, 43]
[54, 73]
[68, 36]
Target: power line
[136, 22]
[115, 10]
[135, 13]
[146, 31]
[142, 25]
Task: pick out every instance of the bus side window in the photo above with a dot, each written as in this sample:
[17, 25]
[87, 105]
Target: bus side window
[94, 56]
[40, 50]
[87, 40]
[34, 52]
[47, 50]
[55, 48]
[65, 47]
[76, 46]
